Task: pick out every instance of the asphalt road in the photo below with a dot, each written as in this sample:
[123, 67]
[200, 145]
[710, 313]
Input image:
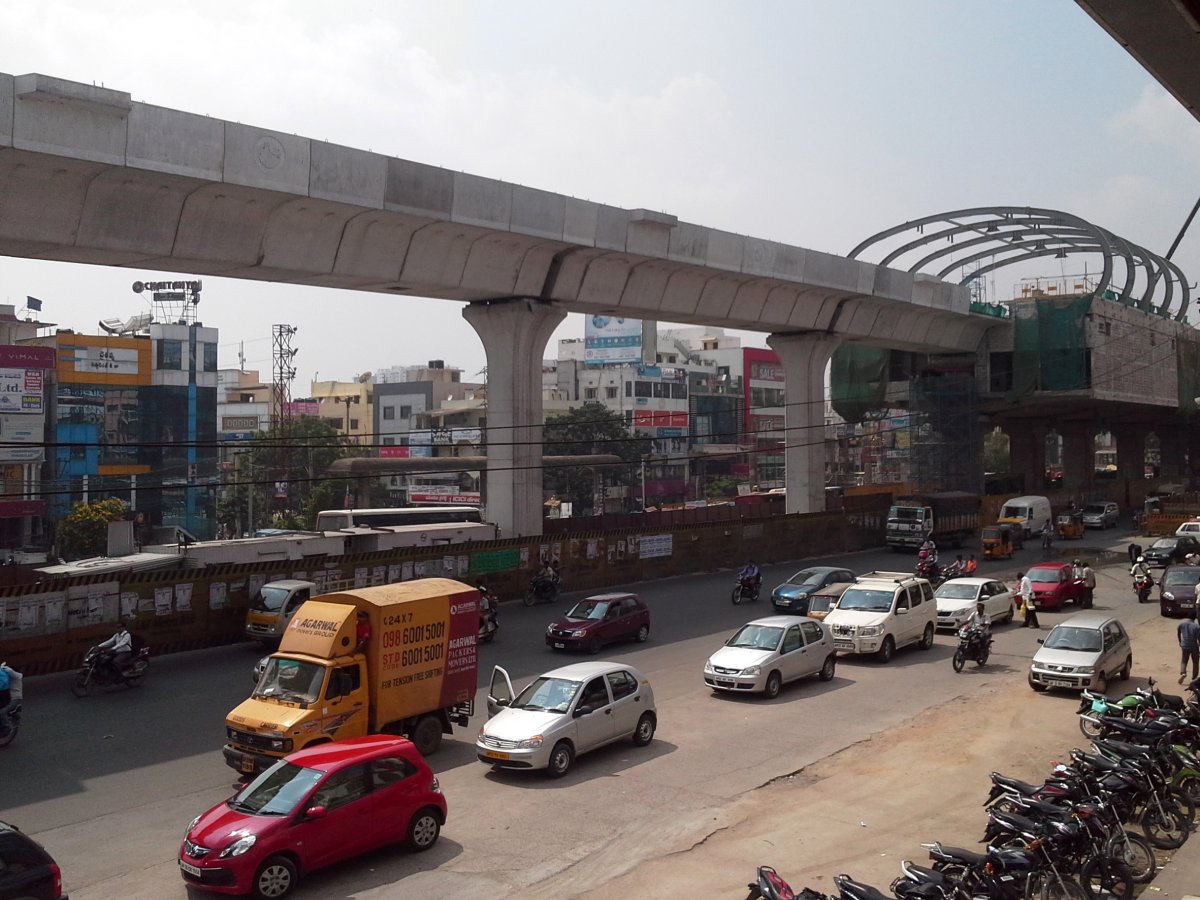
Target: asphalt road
[108, 783]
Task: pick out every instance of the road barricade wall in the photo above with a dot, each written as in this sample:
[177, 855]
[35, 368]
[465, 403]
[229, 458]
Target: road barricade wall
[48, 626]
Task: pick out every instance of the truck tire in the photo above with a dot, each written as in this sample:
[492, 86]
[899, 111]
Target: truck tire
[427, 735]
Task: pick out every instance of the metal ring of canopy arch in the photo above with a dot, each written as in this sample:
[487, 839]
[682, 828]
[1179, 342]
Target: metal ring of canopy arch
[1006, 235]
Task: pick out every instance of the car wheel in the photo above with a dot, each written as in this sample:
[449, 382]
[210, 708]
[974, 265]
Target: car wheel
[642, 634]
[885, 651]
[644, 733]
[427, 735]
[561, 758]
[594, 644]
[927, 638]
[1040, 688]
[829, 669]
[275, 878]
[772, 687]
[423, 829]
[1127, 669]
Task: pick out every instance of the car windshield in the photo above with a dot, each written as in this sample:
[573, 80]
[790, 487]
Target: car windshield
[277, 791]
[1069, 637]
[956, 590]
[549, 694]
[870, 601]
[756, 637]
[1045, 575]
[1093, 509]
[1188, 576]
[808, 576]
[269, 599]
[1164, 544]
[588, 609]
[290, 680]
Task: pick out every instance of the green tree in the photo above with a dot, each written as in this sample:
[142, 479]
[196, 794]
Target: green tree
[584, 430]
[995, 451]
[84, 530]
[282, 468]
[723, 487]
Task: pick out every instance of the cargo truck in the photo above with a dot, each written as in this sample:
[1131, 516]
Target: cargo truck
[950, 518]
[415, 675]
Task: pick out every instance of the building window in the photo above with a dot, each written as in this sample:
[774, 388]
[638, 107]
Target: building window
[629, 389]
[589, 393]
[1000, 372]
[658, 389]
[610, 393]
[642, 389]
[354, 424]
[210, 357]
[406, 412]
[389, 413]
[679, 391]
[389, 442]
[170, 355]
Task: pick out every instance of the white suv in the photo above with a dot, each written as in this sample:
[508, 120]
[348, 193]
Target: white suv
[881, 612]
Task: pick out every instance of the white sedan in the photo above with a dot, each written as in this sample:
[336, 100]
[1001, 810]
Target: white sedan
[956, 600]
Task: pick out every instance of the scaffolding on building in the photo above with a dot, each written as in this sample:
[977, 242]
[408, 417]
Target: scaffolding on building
[945, 438]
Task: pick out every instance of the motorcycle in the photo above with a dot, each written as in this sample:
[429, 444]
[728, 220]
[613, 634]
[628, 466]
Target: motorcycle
[489, 615]
[930, 571]
[769, 886]
[974, 644]
[98, 669]
[9, 733]
[542, 589]
[1141, 586]
[746, 588]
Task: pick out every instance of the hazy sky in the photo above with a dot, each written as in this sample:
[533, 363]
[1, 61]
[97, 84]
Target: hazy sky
[812, 123]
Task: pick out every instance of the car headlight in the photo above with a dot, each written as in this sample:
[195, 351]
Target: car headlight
[752, 670]
[283, 745]
[708, 667]
[870, 631]
[1167, 595]
[191, 825]
[550, 629]
[579, 633]
[530, 743]
[238, 847]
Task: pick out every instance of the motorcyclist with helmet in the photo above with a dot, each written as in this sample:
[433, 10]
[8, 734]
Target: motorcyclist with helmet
[1142, 581]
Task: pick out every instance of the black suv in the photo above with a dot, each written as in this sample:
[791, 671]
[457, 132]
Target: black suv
[1168, 550]
[26, 870]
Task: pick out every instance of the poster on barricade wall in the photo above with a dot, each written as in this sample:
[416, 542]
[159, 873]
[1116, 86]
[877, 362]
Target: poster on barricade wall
[655, 545]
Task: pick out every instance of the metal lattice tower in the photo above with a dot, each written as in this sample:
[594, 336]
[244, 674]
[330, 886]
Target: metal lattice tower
[283, 372]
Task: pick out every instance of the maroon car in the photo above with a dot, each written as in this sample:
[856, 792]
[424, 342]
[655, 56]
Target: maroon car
[600, 620]
[1053, 586]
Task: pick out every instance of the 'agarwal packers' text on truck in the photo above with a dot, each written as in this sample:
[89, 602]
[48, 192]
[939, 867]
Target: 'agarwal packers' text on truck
[415, 676]
[951, 518]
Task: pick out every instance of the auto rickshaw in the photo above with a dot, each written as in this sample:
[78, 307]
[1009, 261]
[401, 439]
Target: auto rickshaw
[1000, 540]
[1069, 526]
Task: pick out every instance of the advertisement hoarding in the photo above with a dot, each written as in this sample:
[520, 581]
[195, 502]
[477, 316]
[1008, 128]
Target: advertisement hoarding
[611, 339]
[21, 390]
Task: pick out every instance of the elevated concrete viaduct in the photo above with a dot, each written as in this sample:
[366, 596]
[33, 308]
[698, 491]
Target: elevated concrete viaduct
[89, 176]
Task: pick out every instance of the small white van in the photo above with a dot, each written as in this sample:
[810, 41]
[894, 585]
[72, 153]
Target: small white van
[1031, 513]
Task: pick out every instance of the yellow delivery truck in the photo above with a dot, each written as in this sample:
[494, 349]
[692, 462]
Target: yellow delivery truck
[412, 673]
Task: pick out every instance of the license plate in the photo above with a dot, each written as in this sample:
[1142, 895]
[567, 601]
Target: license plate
[1055, 682]
[722, 682]
[843, 645]
[495, 754]
[559, 645]
[194, 871]
[247, 764]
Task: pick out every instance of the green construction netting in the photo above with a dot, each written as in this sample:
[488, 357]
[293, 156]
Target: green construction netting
[1187, 364]
[1050, 346]
[858, 380]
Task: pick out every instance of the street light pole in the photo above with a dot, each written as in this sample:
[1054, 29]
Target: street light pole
[643, 485]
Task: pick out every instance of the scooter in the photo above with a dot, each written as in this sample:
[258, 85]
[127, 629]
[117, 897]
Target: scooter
[9, 733]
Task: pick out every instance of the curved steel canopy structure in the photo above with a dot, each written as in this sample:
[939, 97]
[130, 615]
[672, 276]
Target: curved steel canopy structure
[981, 240]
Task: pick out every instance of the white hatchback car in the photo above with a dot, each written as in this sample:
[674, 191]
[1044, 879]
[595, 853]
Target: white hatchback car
[765, 653]
[1085, 650]
[563, 713]
[957, 597]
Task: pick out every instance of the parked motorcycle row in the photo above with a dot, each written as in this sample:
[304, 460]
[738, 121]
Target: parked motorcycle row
[1089, 830]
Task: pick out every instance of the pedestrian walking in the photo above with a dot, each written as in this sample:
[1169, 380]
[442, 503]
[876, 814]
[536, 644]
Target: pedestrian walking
[1135, 550]
[1025, 590]
[1189, 646]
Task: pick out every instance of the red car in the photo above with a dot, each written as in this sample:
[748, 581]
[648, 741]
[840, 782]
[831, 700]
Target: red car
[315, 807]
[1053, 586]
[600, 620]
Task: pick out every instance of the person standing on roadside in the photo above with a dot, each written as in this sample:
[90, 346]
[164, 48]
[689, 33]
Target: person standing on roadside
[1189, 646]
[1025, 590]
[1089, 586]
[1135, 550]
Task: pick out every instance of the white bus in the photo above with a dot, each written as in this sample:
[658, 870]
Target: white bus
[337, 519]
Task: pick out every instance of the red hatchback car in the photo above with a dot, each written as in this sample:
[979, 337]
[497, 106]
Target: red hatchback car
[315, 807]
[1053, 586]
[600, 620]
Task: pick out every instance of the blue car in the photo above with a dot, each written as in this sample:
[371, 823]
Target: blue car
[792, 596]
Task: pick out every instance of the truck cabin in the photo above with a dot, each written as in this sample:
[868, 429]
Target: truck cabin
[304, 682]
[908, 513]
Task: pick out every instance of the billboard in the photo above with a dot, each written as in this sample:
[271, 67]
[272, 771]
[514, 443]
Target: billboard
[611, 339]
[21, 438]
[21, 390]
